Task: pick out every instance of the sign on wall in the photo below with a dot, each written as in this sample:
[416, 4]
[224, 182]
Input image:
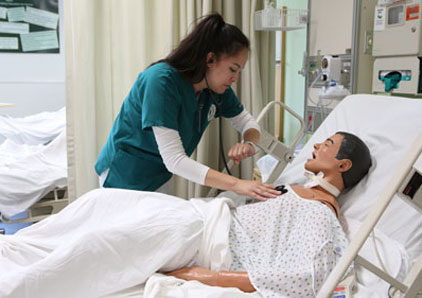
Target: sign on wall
[29, 26]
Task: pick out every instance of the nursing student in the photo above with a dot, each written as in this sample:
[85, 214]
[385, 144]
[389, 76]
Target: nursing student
[170, 105]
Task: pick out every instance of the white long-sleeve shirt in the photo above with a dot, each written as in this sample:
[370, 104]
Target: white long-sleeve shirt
[174, 155]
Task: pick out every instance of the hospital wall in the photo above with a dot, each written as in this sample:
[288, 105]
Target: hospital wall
[33, 82]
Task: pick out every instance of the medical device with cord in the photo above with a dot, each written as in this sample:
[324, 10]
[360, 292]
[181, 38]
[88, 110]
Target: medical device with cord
[328, 78]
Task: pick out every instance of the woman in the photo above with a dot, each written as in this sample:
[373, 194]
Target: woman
[169, 107]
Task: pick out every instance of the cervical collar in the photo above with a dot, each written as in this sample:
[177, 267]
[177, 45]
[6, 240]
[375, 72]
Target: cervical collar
[318, 179]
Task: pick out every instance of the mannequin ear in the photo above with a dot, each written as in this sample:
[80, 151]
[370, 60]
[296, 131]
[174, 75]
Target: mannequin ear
[344, 165]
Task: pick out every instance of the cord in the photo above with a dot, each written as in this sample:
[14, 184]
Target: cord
[378, 254]
[382, 265]
[220, 124]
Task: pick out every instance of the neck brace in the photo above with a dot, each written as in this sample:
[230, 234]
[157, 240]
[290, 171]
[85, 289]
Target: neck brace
[318, 179]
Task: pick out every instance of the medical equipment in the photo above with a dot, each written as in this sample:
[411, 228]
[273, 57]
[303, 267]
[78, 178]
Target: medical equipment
[281, 188]
[333, 92]
[397, 74]
[397, 46]
[411, 190]
[318, 179]
[328, 82]
[331, 68]
[345, 288]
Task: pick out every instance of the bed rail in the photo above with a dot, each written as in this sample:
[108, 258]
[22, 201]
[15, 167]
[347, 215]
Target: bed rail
[413, 281]
[272, 146]
[50, 204]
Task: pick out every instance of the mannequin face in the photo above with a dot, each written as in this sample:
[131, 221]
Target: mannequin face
[324, 157]
[225, 71]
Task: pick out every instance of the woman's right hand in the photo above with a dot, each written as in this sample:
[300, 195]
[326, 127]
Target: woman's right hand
[255, 189]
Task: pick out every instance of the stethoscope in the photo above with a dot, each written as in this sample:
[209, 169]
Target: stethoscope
[218, 105]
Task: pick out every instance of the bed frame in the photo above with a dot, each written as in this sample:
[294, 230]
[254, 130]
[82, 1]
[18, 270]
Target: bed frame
[50, 204]
[412, 284]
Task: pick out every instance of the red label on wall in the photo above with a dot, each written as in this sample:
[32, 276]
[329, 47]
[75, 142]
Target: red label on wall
[412, 12]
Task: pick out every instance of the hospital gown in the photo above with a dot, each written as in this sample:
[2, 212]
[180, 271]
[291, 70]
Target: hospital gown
[287, 245]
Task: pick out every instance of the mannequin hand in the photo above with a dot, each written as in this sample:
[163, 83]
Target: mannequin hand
[255, 189]
[200, 274]
[240, 151]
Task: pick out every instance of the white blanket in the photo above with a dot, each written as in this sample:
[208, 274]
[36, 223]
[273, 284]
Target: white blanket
[27, 178]
[109, 240]
[33, 130]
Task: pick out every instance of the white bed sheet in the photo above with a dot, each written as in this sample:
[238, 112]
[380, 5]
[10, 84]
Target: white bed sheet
[120, 239]
[34, 129]
[29, 172]
[388, 125]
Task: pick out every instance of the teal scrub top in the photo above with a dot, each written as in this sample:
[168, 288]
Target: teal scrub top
[160, 96]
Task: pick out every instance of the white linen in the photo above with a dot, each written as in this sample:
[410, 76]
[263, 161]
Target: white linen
[388, 125]
[394, 258]
[214, 252]
[26, 179]
[106, 241]
[33, 130]
[11, 152]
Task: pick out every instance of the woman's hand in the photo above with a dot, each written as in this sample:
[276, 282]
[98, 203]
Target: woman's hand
[240, 151]
[255, 189]
[200, 274]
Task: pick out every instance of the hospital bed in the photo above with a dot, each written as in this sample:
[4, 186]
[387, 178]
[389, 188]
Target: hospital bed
[33, 166]
[389, 126]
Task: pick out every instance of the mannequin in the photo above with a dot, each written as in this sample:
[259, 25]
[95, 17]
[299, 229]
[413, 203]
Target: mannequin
[335, 158]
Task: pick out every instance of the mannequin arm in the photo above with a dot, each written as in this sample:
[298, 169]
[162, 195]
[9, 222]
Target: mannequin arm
[235, 279]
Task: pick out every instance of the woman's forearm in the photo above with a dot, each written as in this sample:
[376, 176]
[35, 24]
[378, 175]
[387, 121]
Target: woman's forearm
[220, 180]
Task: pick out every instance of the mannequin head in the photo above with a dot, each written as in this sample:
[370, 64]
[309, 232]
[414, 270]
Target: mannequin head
[343, 158]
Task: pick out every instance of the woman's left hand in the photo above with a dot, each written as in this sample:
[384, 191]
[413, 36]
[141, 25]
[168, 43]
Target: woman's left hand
[240, 151]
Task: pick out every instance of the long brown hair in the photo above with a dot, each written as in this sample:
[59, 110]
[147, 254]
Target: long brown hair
[211, 34]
